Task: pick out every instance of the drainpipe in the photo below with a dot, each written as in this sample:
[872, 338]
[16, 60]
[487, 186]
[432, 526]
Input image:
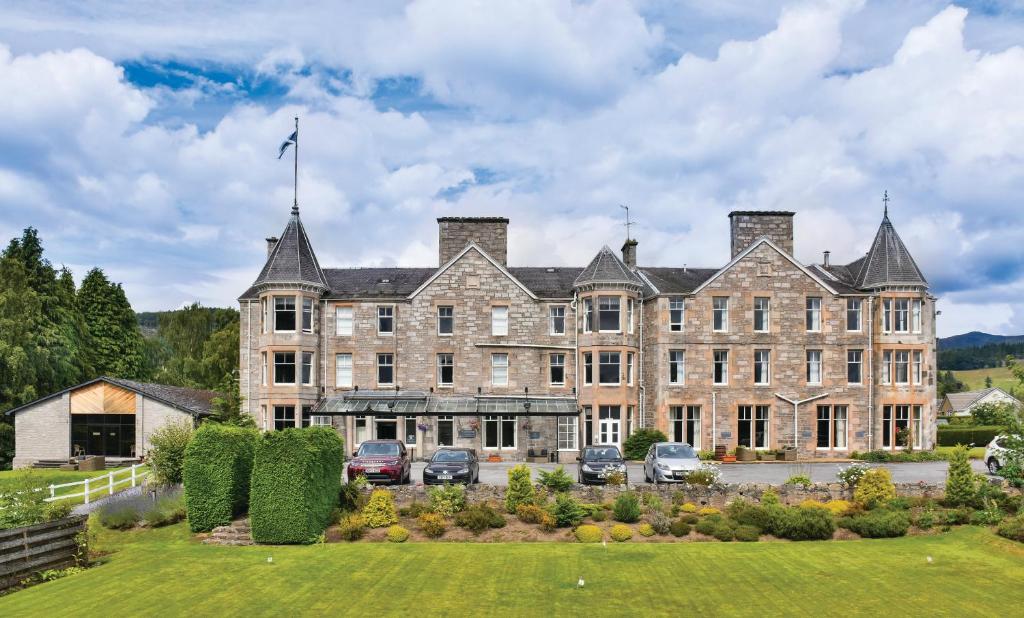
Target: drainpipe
[871, 374]
[796, 417]
[714, 428]
[580, 430]
[248, 358]
[641, 391]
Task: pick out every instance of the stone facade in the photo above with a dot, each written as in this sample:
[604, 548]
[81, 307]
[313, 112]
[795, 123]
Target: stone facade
[43, 432]
[805, 332]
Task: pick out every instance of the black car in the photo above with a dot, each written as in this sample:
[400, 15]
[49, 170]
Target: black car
[452, 465]
[596, 462]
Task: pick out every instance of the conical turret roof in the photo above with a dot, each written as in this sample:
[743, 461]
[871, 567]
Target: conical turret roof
[888, 262]
[606, 267]
[292, 260]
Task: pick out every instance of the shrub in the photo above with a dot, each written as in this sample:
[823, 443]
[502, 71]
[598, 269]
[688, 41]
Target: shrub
[768, 518]
[808, 525]
[447, 500]
[478, 518]
[119, 515]
[352, 528]
[1012, 529]
[690, 518]
[22, 500]
[599, 516]
[707, 475]
[960, 483]
[645, 529]
[800, 479]
[530, 513]
[708, 525]
[6, 446]
[615, 478]
[723, 531]
[709, 510]
[925, 519]
[621, 533]
[548, 523]
[588, 533]
[878, 524]
[689, 507]
[659, 522]
[874, 488]
[350, 495]
[168, 509]
[679, 528]
[567, 511]
[296, 481]
[652, 502]
[432, 525]
[414, 510]
[217, 474]
[520, 488]
[57, 510]
[811, 503]
[850, 475]
[988, 516]
[627, 508]
[747, 534]
[958, 517]
[380, 510]
[166, 452]
[979, 435]
[638, 442]
[397, 534]
[556, 481]
[838, 507]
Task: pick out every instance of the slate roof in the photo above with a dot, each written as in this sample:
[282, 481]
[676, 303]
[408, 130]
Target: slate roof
[888, 262]
[292, 259]
[606, 267]
[960, 402]
[194, 401]
[676, 280]
[386, 282]
[837, 276]
[547, 281]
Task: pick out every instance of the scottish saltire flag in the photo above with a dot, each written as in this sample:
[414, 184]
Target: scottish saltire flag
[292, 139]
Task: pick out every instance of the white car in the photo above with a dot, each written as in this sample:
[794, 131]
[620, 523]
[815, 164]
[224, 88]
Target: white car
[995, 454]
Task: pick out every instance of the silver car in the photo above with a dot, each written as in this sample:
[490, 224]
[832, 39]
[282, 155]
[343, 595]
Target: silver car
[995, 454]
[669, 462]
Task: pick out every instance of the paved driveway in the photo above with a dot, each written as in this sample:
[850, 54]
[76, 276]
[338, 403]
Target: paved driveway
[933, 472]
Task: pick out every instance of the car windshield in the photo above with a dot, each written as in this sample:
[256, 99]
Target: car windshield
[443, 456]
[675, 451]
[387, 449]
[601, 452]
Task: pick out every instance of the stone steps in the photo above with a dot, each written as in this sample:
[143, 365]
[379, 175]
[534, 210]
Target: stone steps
[237, 533]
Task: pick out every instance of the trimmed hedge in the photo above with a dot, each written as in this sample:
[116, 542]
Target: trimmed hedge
[296, 479]
[216, 473]
[978, 435]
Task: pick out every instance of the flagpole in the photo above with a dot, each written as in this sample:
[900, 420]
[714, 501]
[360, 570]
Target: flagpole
[295, 203]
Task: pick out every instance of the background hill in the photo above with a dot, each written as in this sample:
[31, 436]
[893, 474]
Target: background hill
[976, 339]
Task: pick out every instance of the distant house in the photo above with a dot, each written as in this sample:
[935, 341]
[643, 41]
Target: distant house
[105, 416]
[961, 404]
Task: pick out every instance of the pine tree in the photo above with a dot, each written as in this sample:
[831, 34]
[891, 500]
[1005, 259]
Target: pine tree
[112, 326]
[20, 320]
[960, 483]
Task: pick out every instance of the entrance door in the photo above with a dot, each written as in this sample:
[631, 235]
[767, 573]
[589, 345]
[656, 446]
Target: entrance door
[608, 424]
[112, 435]
[387, 430]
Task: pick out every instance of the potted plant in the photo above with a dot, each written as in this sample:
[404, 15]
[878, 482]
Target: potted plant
[745, 454]
[768, 455]
[730, 456]
[786, 453]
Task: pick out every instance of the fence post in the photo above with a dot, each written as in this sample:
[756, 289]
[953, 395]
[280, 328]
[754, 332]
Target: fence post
[87, 491]
[133, 474]
[52, 492]
[110, 483]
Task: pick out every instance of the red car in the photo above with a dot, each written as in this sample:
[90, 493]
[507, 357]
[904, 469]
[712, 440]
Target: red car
[381, 461]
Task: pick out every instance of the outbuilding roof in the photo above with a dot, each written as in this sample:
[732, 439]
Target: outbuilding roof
[194, 401]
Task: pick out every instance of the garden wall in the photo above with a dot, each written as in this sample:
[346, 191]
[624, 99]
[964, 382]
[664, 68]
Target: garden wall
[30, 549]
[717, 496]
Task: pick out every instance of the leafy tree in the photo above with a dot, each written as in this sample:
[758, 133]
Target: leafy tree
[20, 321]
[1001, 413]
[947, 383]
[988, 381]
[195, 346]
[636, 445]
[227, 408]
[116, 341]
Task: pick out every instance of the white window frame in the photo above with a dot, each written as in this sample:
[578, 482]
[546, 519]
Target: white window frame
[385, 311]
[618, 311]
[886, 376]
[916, 367]
[724, 362]
[307, 379]
[720, 311]
[854, 307]
[763, 358]
[886, 315]
[568, 433]
[552, 317]
[609, 426]
[307, 310]
[264, 370]
[916, 424]
[812, 320]
[552, 364]
[815, 366]
[629, 315]
[677, 364]
[831, 418]
[499, 371]
[344, 318]
[676, 304]
[293, 363]
[588, 315]
[754, 412]
[339, 381]
[440, 365]
[378, 366]
[896, 362]
[901, 315]
[629, 368]
[451, 316]
[446, 419]
[293, 310]
[284, 420]
[265, 312]
[915, 316]
[618, 367]
[766, 312]
[859, 362]
[588, 362]
[499, 321]
[502, 422]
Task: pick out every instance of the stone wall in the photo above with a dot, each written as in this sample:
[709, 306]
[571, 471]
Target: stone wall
[490, 233]
[746, 227]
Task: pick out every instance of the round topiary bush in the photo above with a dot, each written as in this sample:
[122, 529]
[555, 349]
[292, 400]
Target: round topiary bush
[680, 528]
[397, 534]
[646, 529]
[747, 534]
[621, 533]
[588, 533]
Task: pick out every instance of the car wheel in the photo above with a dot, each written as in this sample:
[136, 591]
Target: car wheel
[993, 465]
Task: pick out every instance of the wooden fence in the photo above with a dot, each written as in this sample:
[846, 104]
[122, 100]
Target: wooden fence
[49, 545]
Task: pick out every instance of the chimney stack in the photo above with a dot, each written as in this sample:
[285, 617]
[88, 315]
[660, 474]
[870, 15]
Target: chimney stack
[629, 252]
[749, 225]
[490, 233]
[825, 259]
[271, 243]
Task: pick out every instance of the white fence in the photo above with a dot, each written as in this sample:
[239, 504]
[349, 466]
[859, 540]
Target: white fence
[106, 483]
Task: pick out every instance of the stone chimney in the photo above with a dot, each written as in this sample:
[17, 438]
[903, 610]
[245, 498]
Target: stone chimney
[490, 233]
[746, 226]
[271, 243]
[629, 252]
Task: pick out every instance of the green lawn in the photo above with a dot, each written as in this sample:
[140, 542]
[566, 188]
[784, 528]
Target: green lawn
[57, 477]
[974, 379]
[164, 572]
[977, 452]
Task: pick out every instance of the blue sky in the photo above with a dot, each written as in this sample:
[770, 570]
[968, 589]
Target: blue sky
[142, 139]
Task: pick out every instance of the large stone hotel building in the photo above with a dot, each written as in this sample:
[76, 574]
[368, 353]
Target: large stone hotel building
[517, 361]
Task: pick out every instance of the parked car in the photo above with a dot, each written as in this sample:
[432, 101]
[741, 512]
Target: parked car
[670, 462]
[452, 465]
[381, 461]
[597, 462]
[995, 454]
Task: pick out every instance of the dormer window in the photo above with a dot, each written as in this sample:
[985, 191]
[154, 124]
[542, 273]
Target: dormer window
[284, 314]
[384, 281]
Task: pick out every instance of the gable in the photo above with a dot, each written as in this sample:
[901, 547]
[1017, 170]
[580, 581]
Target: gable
[745, 271]
[102, 398]
[456, 272]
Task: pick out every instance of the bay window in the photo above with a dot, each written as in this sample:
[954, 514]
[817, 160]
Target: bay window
[608, 314]
[307, 368]
[284, 314]
[284, 417]
[284, 367]
[307, 315]
[588, 368]
[609, 370]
